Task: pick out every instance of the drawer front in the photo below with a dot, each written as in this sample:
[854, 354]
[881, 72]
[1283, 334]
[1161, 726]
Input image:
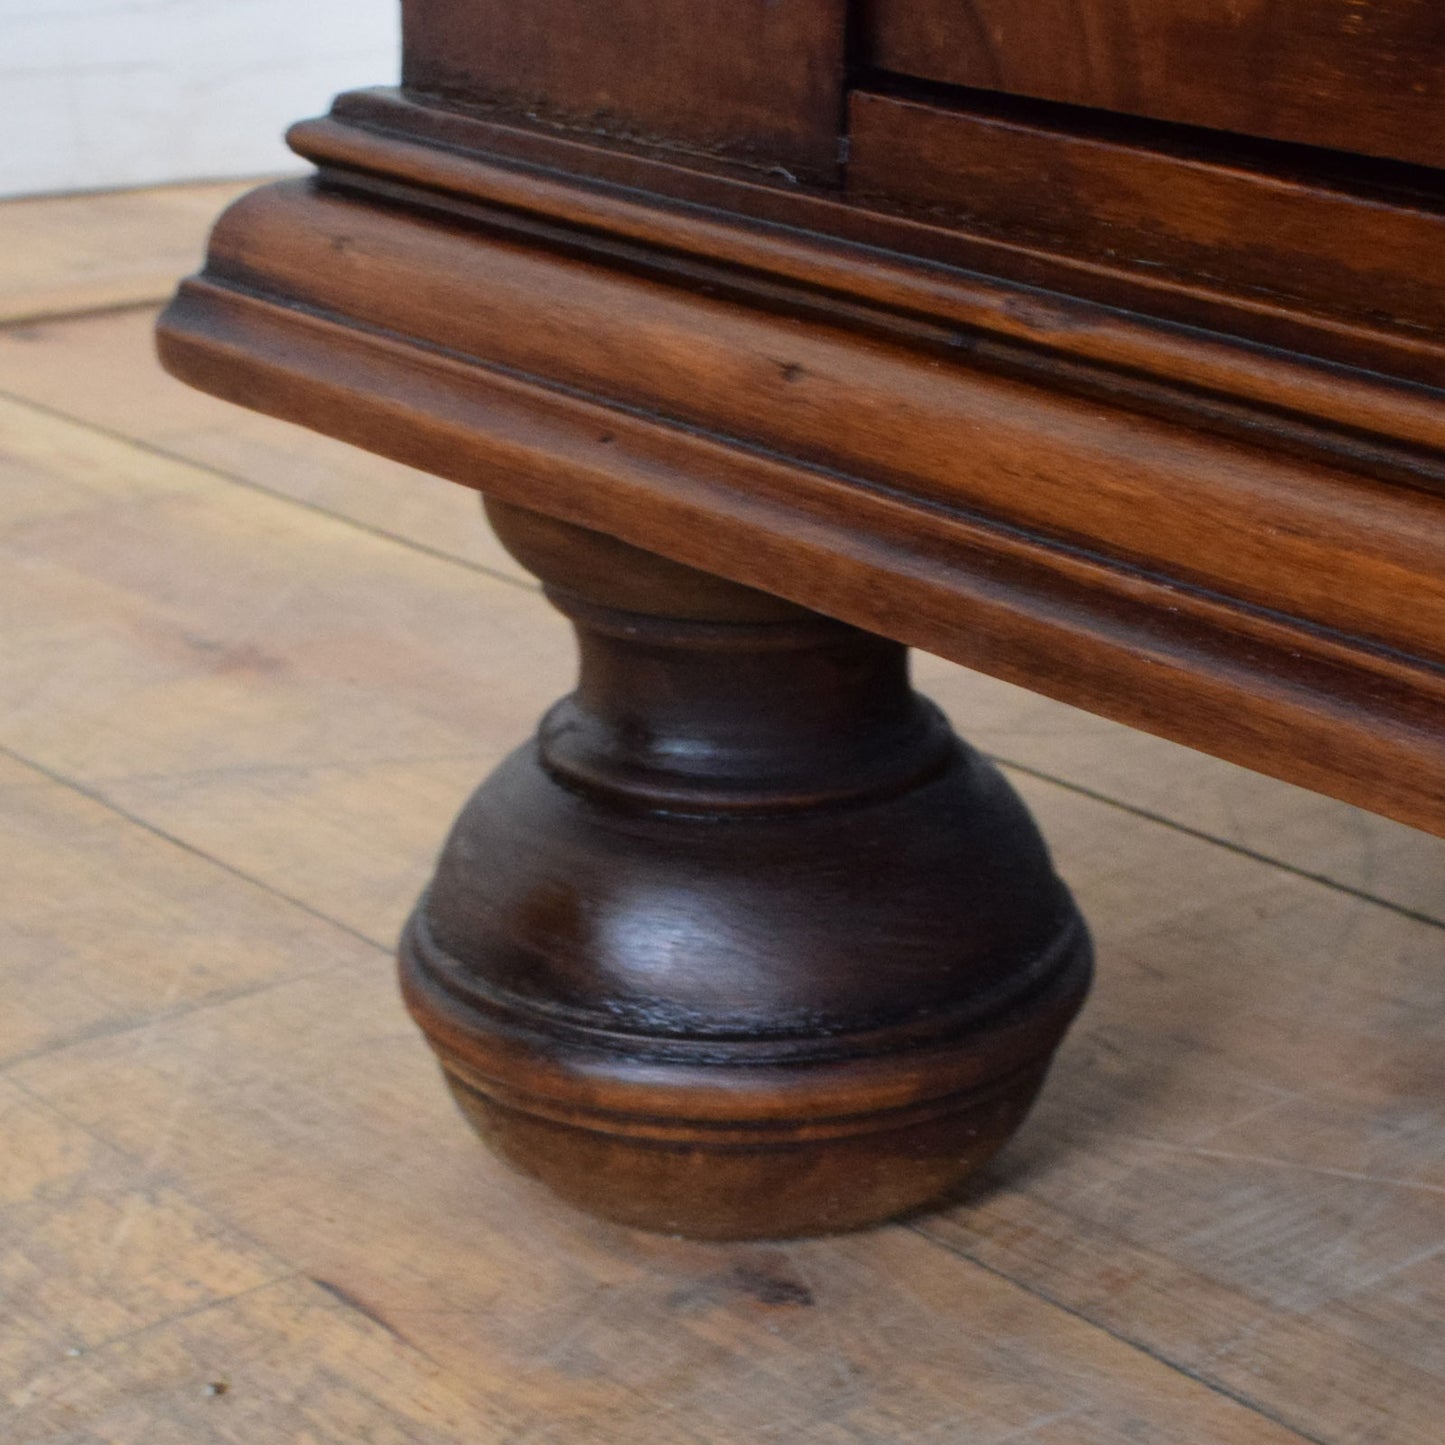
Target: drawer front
[1357, 75]
[1277, 240]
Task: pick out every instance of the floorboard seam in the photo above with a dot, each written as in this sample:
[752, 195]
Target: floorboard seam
[10, 321]
[251, 485]
[136, 820]
[125, 1027]
[1212, 1385]
[1404, 910]
[153, 1174]
[293, 1271]
[234, 479]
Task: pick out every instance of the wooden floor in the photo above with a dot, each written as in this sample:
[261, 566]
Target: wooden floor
[246, 678]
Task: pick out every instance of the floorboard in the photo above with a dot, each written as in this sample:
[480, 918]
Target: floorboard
[65, 254]
[247, 678]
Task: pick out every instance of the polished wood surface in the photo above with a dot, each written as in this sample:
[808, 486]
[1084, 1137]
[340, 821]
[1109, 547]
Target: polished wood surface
[1112, 312]
[1363, 76]
[1232, 581]
[755, 82]
[746, 943]
[97, 369]
[1201, 216]
[252, 672]
[1039, 389]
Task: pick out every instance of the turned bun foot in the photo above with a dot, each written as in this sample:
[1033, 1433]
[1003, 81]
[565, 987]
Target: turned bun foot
[745, 943]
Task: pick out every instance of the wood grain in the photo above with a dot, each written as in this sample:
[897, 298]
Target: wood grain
[648, 960]
[726, 434]
[1206, 1210]
[155, 622]
[70, 855]
[1312, 542]
[1109, 315]
[102, 370]
[135, 1313]
[1364, 254]
[65, 254]
[759, 81]
[300, 1127]
[1367, 78]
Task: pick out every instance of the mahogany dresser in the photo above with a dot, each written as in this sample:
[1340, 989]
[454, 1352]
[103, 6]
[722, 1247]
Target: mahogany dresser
[1095, 344]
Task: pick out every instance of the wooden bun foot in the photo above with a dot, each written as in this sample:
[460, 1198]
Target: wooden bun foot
[745, 943]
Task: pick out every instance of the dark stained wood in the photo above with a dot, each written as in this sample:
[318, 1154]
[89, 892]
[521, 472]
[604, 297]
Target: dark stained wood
[746, 943]
[1364, 76]
[1147, 419]
[1219, 591]
[1128, 318]
[878, 409]
[306, 1118]
[1365, 255]
[755, 81]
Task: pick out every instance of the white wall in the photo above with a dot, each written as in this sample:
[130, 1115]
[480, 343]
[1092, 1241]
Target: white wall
[104, 93]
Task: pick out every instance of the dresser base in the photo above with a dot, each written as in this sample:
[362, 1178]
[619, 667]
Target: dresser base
[746, 943]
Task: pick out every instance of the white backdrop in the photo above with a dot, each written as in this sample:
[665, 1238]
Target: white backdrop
[104, 93]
